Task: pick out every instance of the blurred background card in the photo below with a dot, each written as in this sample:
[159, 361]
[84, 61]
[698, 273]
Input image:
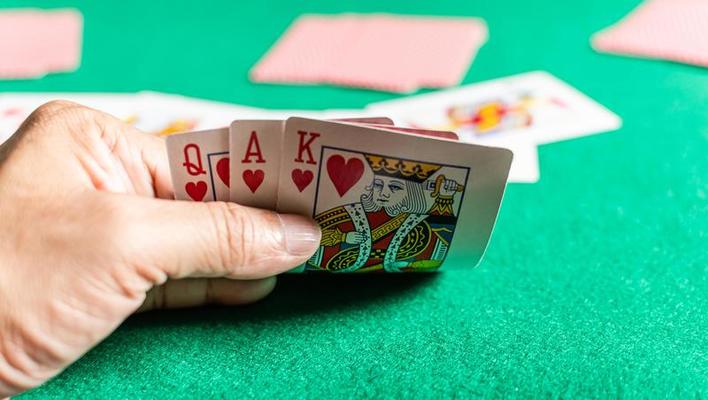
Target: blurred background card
[524, 166]
[166, 114]
[532, 108]
[674, 30]
[35, 42]
[375, 51]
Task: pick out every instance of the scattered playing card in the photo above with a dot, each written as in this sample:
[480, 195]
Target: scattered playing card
[388, 201]
[35, 42]
[167, 114]
[378, 51]
[524, 168]
[668, 29]
[531, 108]
[199, 165]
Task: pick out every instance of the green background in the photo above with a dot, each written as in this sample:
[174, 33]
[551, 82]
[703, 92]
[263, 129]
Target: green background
[594, 284]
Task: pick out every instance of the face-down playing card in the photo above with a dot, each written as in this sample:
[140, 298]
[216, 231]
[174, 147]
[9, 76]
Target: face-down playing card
[387, 201]
[199, 164]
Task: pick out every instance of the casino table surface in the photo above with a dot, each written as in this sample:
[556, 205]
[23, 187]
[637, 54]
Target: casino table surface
[594, 283]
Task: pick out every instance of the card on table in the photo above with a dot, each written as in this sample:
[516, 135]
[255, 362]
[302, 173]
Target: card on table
[164, 114]
[388, 201]
[35, 42]
[668, 29]
[379, 51]
[532, 108]
[525, 168]
[199, 165]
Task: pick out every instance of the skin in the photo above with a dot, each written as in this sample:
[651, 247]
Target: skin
[90, 235]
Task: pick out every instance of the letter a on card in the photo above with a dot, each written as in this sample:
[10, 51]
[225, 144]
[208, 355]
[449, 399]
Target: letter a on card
[255, 160]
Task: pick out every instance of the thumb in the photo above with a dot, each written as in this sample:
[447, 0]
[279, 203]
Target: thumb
[218, 239]
[182, 293]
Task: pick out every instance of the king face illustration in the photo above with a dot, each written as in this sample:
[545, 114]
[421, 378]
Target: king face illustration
[404, 219]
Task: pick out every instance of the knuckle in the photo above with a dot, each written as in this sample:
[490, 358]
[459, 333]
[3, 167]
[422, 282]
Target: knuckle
[60, 115]
[23, 363]
[56, 108]
[243, 234]
[231, 232]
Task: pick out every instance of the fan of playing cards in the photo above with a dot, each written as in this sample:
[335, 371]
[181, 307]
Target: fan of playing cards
[387, 199]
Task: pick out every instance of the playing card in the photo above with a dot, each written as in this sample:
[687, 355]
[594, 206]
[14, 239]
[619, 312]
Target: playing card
[525, 167]
[532, 108]
[34, 42]
[255, 161]
[199, 165]
[387, 201]
[367, 120]
[384, 52]
[669, 29]
[413, 131]
[167, 114]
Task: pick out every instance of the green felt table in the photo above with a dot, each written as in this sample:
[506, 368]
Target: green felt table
[594, 283]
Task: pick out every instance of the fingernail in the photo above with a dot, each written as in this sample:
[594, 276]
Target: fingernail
[302, 235]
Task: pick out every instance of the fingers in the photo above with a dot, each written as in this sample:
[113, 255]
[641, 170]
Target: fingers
[116, 156]
[196, 292]
[154, 158]
[217, 239]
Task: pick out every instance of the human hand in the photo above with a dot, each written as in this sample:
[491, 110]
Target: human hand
[89, 235]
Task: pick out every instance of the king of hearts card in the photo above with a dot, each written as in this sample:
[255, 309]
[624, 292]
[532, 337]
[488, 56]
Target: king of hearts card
[392, 214]
[386, 201]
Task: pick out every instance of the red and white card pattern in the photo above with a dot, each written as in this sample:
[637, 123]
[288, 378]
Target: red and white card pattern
[387, 200]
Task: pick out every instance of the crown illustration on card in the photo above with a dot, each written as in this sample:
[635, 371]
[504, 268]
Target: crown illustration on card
[415, 171]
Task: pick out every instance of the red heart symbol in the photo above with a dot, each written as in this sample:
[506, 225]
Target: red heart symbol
[253, 179]
[222, 169]
[344, 174]
[301, 178]
[196, 191]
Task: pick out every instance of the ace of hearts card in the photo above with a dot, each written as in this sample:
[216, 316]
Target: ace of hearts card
[387, 201]
[255, 160]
